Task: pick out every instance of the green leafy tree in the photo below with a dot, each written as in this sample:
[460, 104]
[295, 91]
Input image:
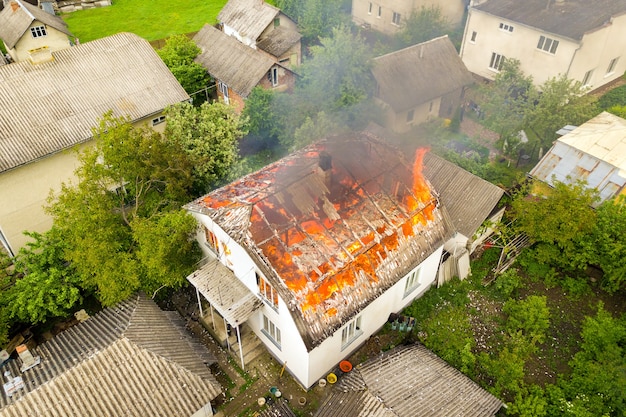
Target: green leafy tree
[315, 129]
[556, 219]
[507, 101]
[129, 174]
[316, 18]
[422, 25]
[562, 101]
[210, 136]
[45, 285]
[178, 54]
[263, 112]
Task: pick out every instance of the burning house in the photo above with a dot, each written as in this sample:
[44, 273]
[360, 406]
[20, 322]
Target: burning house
[320, 247]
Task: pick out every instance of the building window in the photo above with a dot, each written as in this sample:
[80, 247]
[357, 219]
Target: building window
[38, 31]
[211, 240]
[369, 10]
[473, 38]
[272, 75]
[410, 116]
[223, 88]
[612, 65]
[412, 282]
[396, 19]
[587, 77]
[351, 332]
[547, 44]
[505, 27]
[268, 293]
[380, 11]
[158, 120]
[430, 107]
[271, 331]
[496, 61]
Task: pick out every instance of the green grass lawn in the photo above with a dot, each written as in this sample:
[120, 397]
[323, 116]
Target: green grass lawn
[150, 19]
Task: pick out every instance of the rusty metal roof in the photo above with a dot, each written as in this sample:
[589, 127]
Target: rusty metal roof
[52, 106]
[14, 23]
[568, 18]
[332, 226]
[416, 75]
[248, 17]
[129, 360]
[405, 382]
[229, 296]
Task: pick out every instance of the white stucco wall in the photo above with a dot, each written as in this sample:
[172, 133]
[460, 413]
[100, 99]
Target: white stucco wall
[54, 40]
[308, 367]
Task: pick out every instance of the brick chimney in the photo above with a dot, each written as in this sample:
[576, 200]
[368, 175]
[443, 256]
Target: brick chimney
[15, 6]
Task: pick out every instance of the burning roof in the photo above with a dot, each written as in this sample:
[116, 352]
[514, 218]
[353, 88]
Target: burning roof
[332, 226]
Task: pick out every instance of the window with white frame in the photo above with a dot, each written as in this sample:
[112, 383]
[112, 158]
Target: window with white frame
[547, 44]
[473, 37]
[587, 77]
[395, 19]
[496, 61]
[369, 10]
[612, 65]
[158, 120]
[268, 293]
[38, 31]
[351, 332]
[412, 281]
[223, 88]
[271, 331]
[506, 27]
[272, 75]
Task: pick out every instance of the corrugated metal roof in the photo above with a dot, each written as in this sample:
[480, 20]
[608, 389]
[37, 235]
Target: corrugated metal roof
[278, 41]
[277, 409]
[230, 61]
[229, 296]
[469, 199]
[331, 240]
[129, 360]
[248, 17]
[603, 137]
[417, 74]
[53, 106]
[13, 24]
[410, 381]
[569, 18]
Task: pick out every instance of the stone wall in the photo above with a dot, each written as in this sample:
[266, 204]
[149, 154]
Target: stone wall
[67, 6]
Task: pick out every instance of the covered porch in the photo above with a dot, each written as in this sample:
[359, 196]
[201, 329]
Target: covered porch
[231, 303]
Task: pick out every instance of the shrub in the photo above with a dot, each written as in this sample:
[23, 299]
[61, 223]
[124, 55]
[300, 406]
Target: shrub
[615, 97]
[531, 316]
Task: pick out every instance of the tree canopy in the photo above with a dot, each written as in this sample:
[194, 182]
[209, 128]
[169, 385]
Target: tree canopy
[422, 25]
[178, 54]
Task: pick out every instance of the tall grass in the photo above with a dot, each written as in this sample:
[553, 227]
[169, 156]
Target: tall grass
[150, 19]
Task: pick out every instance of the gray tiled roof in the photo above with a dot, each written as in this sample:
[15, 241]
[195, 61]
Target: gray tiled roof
[331, 243]
[248, 17]
[13, 24]
[53, 106]
[405, 382]
[468, 198]
[418, 74]
[228, 60]
[129, 360]
[278, 41]
[570, 18]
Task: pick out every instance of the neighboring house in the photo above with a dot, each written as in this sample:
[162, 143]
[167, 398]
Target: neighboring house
[594, 152]
[333, 239]
[30, 33]
[583, 39]
[408, 381]
[238, 68]
[129, 360]
[421, 82]
[262, 26]
[50, 108]
[390, 16]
